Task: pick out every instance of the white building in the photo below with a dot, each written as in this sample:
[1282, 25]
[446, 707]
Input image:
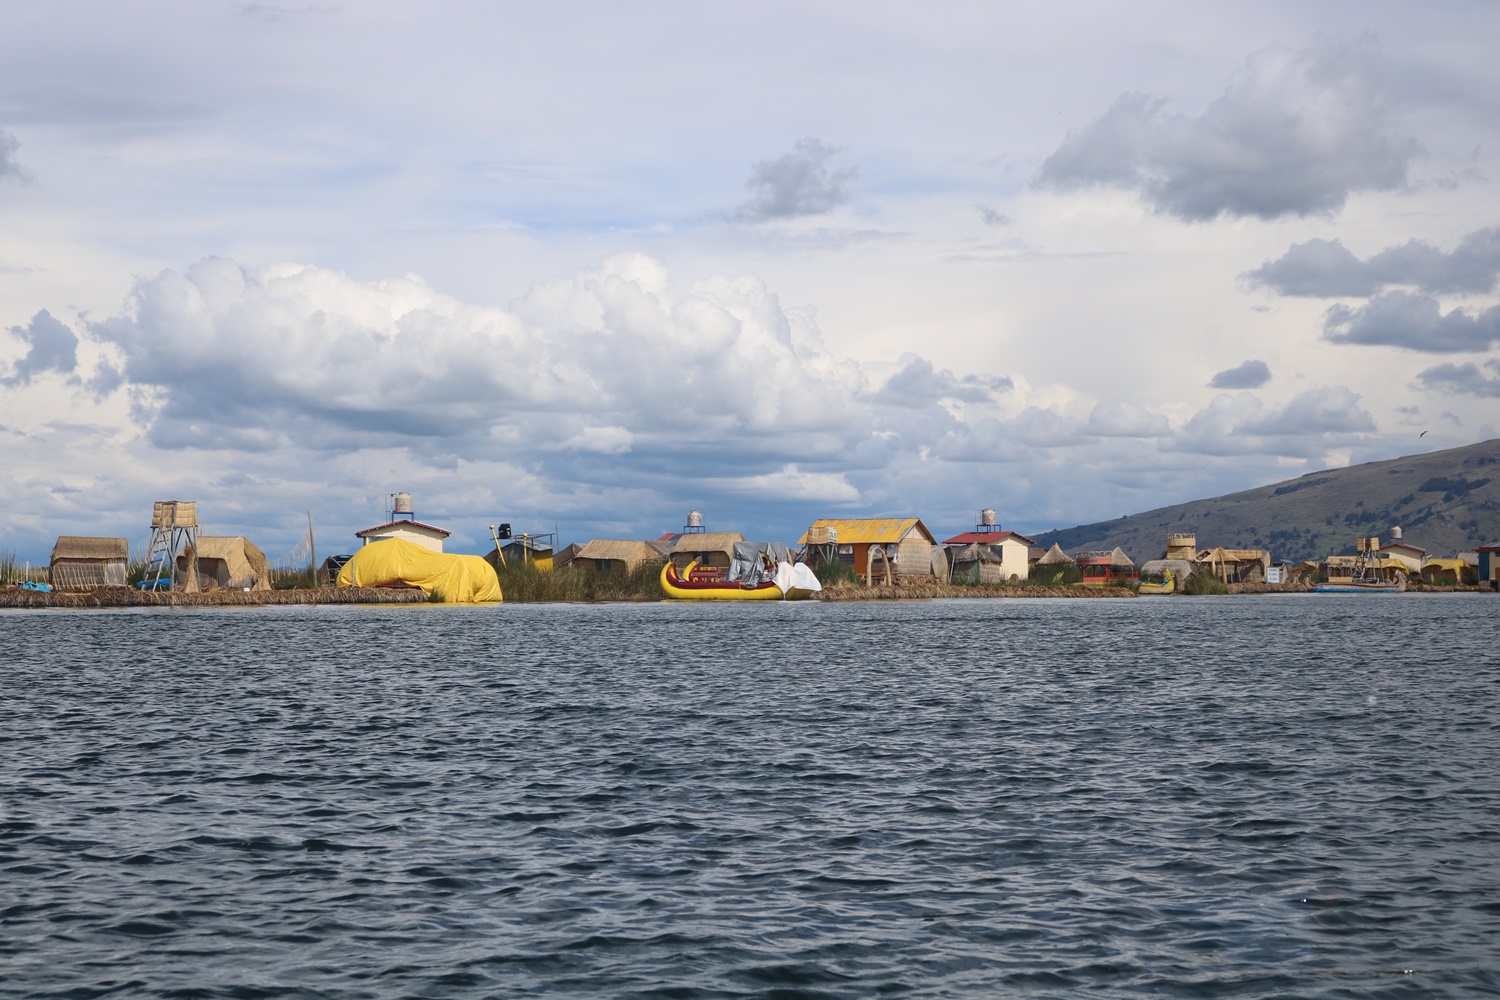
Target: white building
[426, 535]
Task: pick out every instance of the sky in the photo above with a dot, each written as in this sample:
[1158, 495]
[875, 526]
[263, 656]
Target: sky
[594, 265]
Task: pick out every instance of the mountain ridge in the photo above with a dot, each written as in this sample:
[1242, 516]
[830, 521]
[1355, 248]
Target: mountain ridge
[1444, 501]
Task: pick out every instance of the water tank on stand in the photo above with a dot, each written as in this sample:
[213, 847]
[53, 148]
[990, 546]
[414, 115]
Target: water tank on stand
[401, 507]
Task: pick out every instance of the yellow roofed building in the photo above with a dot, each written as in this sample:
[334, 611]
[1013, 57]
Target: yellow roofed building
[907, 547]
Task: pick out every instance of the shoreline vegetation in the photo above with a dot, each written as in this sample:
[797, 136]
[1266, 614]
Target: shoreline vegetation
[524, 585]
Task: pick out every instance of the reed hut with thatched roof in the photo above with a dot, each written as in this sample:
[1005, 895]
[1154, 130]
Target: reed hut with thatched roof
[563, 557]
[618, 555]
[712, 549]
[80, 562]
[1055, 556]
[975, 563]
[228, 561]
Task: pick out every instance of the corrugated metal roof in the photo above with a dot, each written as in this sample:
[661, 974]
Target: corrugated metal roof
[403, 523]
[985, 538]
[873, 530]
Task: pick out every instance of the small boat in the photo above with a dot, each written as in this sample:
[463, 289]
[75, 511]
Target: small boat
[1359, 588]
[759, 572]
[1167, 585]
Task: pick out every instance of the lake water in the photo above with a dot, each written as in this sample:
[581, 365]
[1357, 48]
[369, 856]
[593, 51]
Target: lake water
[1217, 797]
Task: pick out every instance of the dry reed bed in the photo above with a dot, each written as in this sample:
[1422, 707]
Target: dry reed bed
[906, 590]
[129, 597]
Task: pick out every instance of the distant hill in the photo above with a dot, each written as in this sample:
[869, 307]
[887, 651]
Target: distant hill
[1444, 501]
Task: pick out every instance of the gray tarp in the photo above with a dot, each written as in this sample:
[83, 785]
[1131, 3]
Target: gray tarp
[747, 566]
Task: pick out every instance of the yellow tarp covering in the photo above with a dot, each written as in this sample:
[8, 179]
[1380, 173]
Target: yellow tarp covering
[396, 562]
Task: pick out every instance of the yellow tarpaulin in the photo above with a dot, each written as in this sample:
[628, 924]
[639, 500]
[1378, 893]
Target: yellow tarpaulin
[396, 562]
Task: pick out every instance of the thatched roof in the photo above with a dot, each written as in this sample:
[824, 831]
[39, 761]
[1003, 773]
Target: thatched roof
[245, 565]
[975, 553]
[624, 549]
[1054, 556]
[565, 555]
[84, 547]
[707, 541]
[1119, 558]
[1181, 568]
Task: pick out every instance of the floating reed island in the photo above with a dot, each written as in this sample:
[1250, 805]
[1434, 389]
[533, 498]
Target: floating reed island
[130, 597]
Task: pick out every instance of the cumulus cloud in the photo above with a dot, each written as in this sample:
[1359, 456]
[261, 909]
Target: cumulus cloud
[1326, 268]
[1307, 425]
[10, 167]
[1116, 419]
[792, 483]
[51, 347]
[1466, 379]
[1416, 322]
[797, 184]
[1295, 133]
[602, 397]
[1245, 375]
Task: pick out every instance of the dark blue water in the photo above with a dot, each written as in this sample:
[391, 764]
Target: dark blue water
[1215, 797]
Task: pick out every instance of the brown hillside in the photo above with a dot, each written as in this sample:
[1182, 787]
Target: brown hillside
[1444, 501]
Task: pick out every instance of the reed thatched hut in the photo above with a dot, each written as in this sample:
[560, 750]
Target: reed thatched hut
[712, 549]
[618, 555]
[975, 563]
[80, 562]
[563, 557]
[229, 561]
[1056, 557]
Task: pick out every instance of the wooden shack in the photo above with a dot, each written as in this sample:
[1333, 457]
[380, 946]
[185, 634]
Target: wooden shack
[80, 562]
[1489, 565]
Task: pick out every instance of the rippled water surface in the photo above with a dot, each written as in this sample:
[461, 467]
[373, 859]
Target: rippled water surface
[1277, 796]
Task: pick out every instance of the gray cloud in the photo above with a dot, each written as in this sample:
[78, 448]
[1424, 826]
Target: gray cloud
[82, 106]
[1466, 379]
[53, 347]
[10, 166]
[917, 384]
[1416, 322]
[1246, 375]
[1326, 268]
[796, 184]
[1294, 134]
[991, 216]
